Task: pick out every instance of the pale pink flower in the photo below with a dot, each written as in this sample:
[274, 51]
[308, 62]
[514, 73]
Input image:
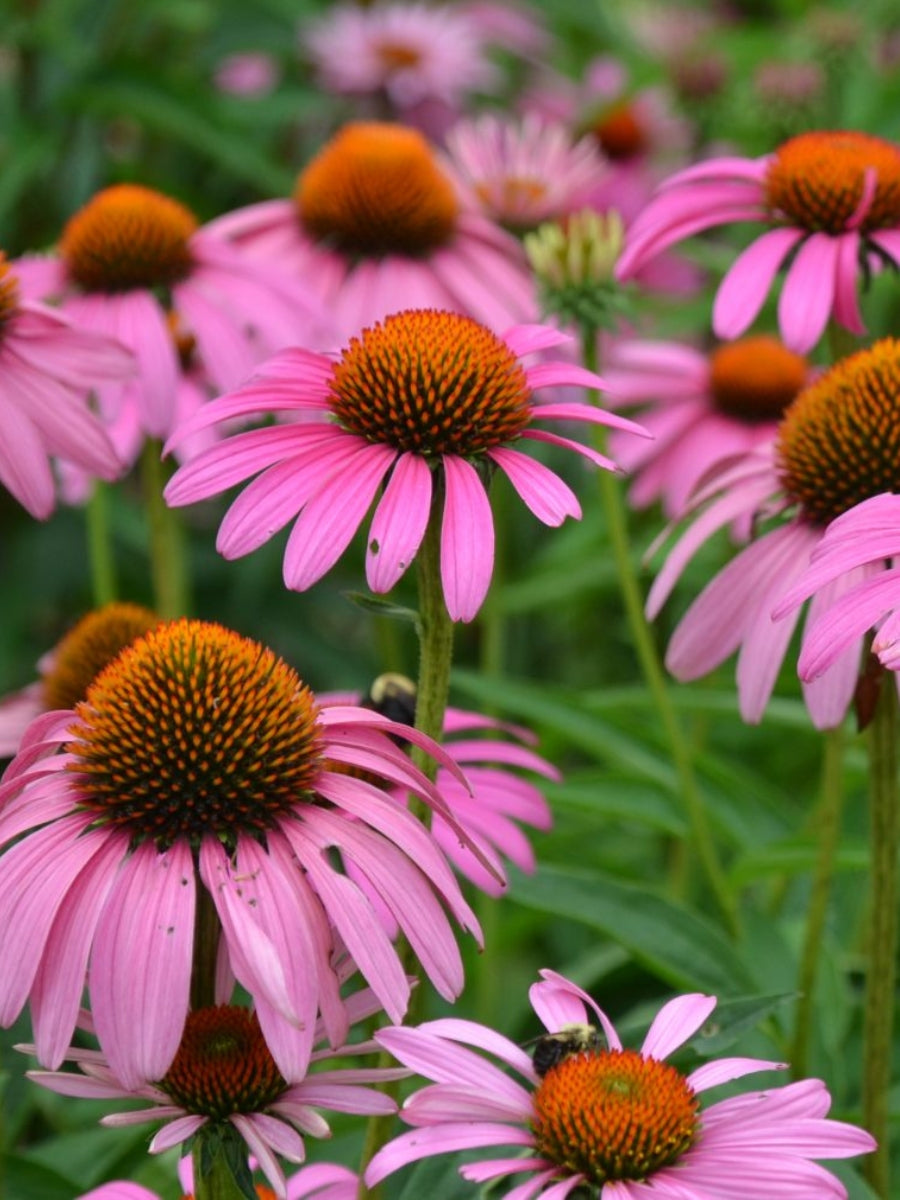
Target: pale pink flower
[246, 790]
[377, 224]
[367, 420]
[702, 407]
[224, 1076]
[66, 670]
[835, 447]
[497, 800]
[49, 368]
[622, 1124]
[408, 52]
[248, 73]
[526, 171]
[129, 246]
[831, 201]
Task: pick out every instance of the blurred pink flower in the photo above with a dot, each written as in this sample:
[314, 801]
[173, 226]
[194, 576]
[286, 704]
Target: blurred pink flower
[377, 225]
[105, 830]
[368, 418]
[131, 245]
[496, 801]
[832, 204]
[515, 28]
[703, 407]
[224, 1075]
[835, 447]
[621, 1123]
[49, 367]
[250, 73]
[524, 172]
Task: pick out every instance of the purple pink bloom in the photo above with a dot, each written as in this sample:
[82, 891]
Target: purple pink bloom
[224, 1075]
[700, 408]
[49, 368]
[831, 204]
[835, 447]
[377, 224]
[243, 796]
[426, 403]
[624, 1124]
[129, 246]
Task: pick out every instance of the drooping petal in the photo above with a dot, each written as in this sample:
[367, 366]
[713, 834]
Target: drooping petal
[807, 296]
[467, 540]
[399, 522]
[549, 498]
[744, 288]
[675, 1022]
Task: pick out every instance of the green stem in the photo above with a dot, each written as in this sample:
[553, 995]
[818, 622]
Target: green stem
[648, 657]
[878, 1017]
[100, 547]
[828, 826]
[207, 932]
[221, 1170]
[168, 563]
[435, 660]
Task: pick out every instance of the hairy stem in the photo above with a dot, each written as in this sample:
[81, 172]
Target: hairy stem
[168, 561]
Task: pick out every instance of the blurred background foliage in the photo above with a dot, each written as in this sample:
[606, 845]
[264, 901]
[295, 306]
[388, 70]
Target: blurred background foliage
[97, 91]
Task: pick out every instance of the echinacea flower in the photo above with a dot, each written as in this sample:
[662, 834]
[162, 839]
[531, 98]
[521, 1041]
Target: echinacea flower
[831, 201]
[48, 371]
[407, 52]
[496, 801]
[702, 408]
[66, 671]
[377, 224]
[224, 1077]
[318, 1181]
[611, 1123]
[835, 447]
[129, 257]
[430, 402]
[198, 771]
[524, 172]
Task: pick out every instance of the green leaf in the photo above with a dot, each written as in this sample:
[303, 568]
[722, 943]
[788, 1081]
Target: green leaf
[734, 1018]
[24, 1180]
[796, 856]
[381, 608]
[437, 1178]
[670, 941]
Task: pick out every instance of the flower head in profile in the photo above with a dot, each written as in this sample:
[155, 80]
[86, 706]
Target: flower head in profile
[524, 172]
[66, 671]
[621, 1124]
[378, 224]
[49, 369]
[836, 446]
[831, 204]
[496, 800]
[427, 403]
[223, 1078]
[199, 769]
[700, 407]
[130, 257]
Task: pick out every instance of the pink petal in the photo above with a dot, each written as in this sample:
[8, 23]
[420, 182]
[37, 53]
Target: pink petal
[743, 291]
[807, 296]
[675, 1023]
[399, 523]
[467, 540]
[441, 1139]
[558, 1002]
[723, 1070]
[526, 339]
[856, 611]
[549, 498]
[846, 288]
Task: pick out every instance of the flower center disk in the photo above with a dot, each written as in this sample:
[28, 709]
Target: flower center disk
[756, 378]
[128, 237]
[621, 134]
[9, 292]
[195, 730]
[614, 1115]
[375, 190]
[89, 647]
[839, 442]
[223, 1065]
[818, 180]
[431, 382]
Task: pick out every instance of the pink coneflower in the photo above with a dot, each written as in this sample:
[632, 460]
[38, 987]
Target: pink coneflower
[376, 224]
[430, 401]
[66, 671]
[248, 73]
[832, 201]
[497, 800]
[524, 172]
[319, 1181]
[835, 447]
[407, 53]
[619, 1124]
[224, 1076]
[703, 407]
[199, 752]
[129, 257]
[48, 370]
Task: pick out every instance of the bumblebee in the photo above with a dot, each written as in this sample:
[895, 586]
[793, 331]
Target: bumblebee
[552, 1048]
[394, 696]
